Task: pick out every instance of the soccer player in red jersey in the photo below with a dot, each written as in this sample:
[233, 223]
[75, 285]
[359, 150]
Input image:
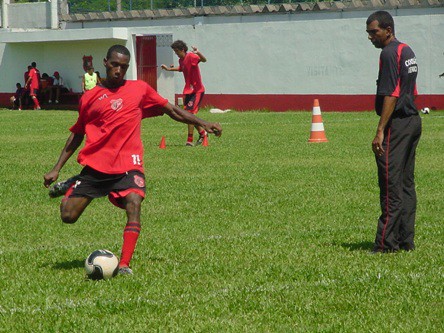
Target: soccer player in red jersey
[34, 84]
[110, 117]
[194, 89]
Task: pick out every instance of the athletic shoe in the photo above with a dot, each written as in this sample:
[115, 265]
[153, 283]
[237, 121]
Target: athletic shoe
[56, 101]
[200, 140]
[20, 109]
[49, 102]
[60, 188]
[125, 271]
[38, 108]
[189, 144]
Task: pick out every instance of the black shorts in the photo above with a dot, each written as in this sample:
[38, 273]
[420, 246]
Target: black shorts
[95, 184]
[192, 102]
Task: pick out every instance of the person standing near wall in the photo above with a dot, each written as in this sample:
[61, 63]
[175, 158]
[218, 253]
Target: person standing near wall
[397, 135]
[34, 84]
[89, 80]
[194, 89]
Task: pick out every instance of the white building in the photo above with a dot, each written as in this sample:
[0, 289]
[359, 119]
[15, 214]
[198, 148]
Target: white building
[276, 57]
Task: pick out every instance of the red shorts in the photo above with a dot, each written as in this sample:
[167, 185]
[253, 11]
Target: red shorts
[33, 92]
[192, 102]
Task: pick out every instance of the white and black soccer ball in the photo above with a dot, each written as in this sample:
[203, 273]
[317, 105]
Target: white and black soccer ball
[425, 110]
[101, 264]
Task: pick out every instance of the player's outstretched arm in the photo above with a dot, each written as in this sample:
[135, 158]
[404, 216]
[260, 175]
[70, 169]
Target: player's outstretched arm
[183, 116]
[169, 69]
[201, 56]
[73, 142]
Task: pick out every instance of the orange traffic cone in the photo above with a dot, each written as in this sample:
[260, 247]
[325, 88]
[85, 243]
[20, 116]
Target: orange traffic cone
[317, 133]
[162, 144]
[205, 141]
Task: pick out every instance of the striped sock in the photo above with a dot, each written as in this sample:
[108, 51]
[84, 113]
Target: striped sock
[130, 236]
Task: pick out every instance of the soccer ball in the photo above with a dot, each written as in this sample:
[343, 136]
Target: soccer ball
[425, 110]
[101, 264]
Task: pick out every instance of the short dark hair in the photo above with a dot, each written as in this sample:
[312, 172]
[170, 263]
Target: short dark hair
[18, 85]
[179, 45]
[118, 49]
[33, 64]
[384, 19]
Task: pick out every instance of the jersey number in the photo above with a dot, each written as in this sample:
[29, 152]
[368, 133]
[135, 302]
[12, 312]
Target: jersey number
[136, 159]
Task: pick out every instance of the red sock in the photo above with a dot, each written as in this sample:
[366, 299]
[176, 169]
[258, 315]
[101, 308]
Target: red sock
[190, 138]
[202, 133]
[36, 102]
[130, 236]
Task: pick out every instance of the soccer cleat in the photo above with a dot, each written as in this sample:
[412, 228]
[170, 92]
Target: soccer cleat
[125, 271]
[201, 139]
[56, 101]
[189, 144]
[49, 102]
[60, 188]
[37, 108]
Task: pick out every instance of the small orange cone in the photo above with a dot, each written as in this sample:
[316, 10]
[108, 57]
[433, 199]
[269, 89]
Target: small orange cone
[162, 144]
[317, 133]
[205, 141]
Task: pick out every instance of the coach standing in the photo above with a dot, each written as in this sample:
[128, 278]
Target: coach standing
[397, 135]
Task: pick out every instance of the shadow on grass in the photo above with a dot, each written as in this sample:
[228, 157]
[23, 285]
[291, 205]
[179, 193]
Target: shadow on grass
[359, 246]
[69, 264]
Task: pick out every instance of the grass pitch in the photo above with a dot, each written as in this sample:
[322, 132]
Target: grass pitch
[258, 232]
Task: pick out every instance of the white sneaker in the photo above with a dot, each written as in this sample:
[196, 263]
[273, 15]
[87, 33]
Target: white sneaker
[56, 101]
[49, 101]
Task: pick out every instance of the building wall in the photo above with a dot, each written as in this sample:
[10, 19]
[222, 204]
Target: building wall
[277, 61]
[32, 15]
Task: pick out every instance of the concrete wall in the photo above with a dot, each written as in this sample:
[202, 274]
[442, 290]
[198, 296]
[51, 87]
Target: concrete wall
[299, 53]
[271, 58]
[31, 15]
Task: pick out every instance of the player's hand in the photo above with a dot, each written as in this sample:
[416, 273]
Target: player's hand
[377, 144]
[214, 128]
[195, 50]
[50, 178]
[164, 67]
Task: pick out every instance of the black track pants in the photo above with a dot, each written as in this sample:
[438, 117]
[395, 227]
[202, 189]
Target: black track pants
[396, 225]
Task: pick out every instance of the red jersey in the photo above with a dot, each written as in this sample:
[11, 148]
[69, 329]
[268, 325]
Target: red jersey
[111, 121]
[35, 78]
[189, 65]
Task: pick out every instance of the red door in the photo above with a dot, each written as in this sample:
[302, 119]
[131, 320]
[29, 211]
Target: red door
[146, 60]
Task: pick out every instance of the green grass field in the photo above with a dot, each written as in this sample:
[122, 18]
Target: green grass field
[258, 232]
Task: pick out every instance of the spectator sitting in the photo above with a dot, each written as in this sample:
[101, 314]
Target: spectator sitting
[16, 100]
[45, 86]
[57, 86]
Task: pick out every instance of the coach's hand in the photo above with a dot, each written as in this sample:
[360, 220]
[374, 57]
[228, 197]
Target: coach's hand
[377, 144]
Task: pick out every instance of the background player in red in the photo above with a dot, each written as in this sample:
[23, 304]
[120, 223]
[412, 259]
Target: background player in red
[397, 135]
[33, 83]
[193, 90]
[110, 117]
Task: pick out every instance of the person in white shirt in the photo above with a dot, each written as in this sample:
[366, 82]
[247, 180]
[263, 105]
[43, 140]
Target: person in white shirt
[57, 85]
